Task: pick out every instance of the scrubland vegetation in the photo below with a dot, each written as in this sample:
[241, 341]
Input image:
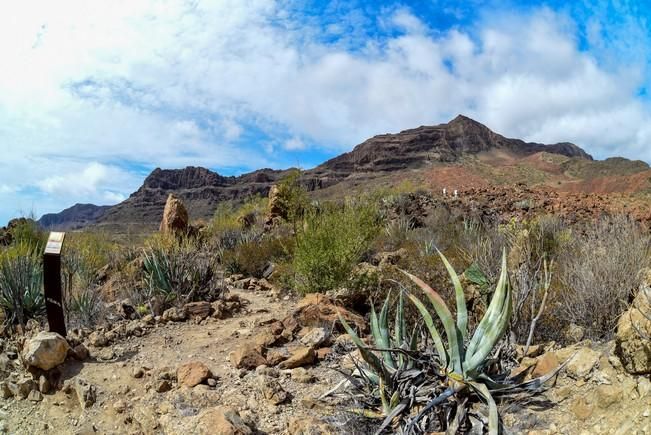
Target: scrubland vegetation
[589, 271]
[523, 281]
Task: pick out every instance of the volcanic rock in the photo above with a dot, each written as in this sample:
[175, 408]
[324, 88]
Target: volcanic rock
[192, 374]
[175, 216]
[46, 351]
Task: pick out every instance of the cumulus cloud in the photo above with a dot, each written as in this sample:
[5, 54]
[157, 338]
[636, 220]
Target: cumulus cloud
[294, 144]
[104, 92]
[88, 182]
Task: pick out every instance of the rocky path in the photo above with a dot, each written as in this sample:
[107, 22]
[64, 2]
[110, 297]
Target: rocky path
[128, 376]
[134, 386]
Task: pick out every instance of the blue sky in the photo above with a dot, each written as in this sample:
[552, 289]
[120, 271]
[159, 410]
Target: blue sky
[94, 95]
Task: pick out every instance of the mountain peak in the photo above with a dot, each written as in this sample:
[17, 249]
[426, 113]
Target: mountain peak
[463, 119]
[441, 143]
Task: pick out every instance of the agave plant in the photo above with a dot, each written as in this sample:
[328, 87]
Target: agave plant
[21, 283]
[456, 367]
[385, 372]
[179, 271]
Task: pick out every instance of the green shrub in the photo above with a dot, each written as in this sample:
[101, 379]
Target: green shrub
[21, 283]
[26, 231]
[331, 242]
[292, 199]
[252, 257]
[84, 254]
[85, 306]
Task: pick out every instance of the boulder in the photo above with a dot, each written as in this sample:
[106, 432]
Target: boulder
[221, 420]
[582, 363]
[174, 314]
[301, 375]
[265, 339]
[199, 310]
[162, 386]
[98, 339]
[574, 333]
[299, 357]
[383, 259]
[318, 310]
[43, 384]
[276, 210]
[632, 343]
[35, 396]
[545, 364]
[46, 351]
[80, 352]
[22, 387]
[175, 217]
[276, 356]
[315, 337]
[192, 373]
[5, 391]
[247, 356]
[608, 395]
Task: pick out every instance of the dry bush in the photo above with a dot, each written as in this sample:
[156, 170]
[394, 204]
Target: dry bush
[84, 254]
[251, 258]
[530, 244]
[599, 271]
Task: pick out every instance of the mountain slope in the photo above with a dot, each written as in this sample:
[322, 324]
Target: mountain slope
[77, 216]
[442, 143]
[460, 154]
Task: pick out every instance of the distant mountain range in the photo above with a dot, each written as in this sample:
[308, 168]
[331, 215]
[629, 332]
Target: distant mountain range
[459, 154]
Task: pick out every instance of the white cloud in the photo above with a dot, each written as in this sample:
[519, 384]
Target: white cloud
[87, 182]
[4, 188]
[149, 83]
[294, 144]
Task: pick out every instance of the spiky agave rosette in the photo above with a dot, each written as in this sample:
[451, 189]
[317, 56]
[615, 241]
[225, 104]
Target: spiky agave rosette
[421, 387]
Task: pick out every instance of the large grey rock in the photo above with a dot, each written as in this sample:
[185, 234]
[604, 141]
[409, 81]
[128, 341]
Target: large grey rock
[46, 351]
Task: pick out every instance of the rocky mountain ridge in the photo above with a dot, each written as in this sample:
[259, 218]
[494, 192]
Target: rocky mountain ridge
[462, 150]
[445, 143]
[77, 216]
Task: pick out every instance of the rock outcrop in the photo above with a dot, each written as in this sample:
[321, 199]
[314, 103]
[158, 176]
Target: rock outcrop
[175, 217]
[633, 338]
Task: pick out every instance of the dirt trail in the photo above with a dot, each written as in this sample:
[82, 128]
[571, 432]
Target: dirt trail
[164, 349]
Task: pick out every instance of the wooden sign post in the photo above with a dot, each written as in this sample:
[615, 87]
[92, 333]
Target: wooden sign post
[52, 283]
